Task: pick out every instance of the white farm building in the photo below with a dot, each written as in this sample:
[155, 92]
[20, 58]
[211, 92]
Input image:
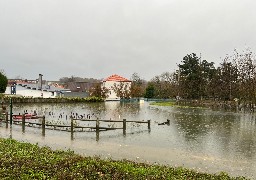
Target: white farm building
[115, 81]
[33, 90]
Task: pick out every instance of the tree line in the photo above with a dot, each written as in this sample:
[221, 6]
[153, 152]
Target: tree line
[196, 78]
[233, 79]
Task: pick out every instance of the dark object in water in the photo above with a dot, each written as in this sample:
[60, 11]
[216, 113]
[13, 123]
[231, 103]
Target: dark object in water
[164, 123]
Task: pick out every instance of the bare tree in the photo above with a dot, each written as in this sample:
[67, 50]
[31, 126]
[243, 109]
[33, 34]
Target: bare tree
[98, 91]
[138, 86]
[246, 76]
[122, 90]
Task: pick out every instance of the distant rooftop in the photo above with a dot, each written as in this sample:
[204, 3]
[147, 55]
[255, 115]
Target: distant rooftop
[50, 88]
[116, 78]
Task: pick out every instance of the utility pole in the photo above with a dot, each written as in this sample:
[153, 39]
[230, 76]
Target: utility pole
[40, 81]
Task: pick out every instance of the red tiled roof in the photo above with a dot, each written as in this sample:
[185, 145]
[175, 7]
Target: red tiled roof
[116, 78]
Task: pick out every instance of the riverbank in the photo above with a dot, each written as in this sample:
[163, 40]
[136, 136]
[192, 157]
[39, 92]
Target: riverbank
[28, 161]
[175, 104]
[208, 104]
[6, 99]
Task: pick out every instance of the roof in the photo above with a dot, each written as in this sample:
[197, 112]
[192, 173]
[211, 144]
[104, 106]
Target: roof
[116, 78]
[34, 86]
[79, 86]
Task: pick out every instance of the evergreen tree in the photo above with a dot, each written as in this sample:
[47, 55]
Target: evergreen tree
[190, 76]
[150, 91]
[3, 82]
[195, 75]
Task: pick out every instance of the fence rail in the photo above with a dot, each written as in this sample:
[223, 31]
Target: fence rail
[9, 120]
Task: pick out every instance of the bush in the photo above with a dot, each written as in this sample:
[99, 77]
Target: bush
[3, 82]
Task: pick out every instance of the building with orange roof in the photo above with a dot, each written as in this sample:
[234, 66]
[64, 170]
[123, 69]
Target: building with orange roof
[112, 81]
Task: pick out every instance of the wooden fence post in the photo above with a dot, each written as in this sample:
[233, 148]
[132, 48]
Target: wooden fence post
[72, 128]
[43, 126]
[23, 123]
[97, 125]
[97, 129]
[10, 111]
[148, 124]
[124, 127]
[72, 125]
[6, 119]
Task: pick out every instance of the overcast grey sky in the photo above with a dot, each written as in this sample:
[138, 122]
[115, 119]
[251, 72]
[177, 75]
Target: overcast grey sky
[98, 38]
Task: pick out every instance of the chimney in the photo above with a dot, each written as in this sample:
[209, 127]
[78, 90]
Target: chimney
[40, 81]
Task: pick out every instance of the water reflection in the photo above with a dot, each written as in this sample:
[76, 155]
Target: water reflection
[206, 140]
[223, 134]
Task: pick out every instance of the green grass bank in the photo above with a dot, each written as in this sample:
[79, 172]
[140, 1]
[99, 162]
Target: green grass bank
[15, 99]
[28, 161]
[174, 104]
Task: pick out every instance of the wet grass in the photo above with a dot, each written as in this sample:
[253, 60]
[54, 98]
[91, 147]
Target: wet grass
[173, 104]
[27, 161]
[167, 103]
[18, 99]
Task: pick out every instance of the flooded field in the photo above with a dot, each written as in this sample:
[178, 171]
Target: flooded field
[201, 139]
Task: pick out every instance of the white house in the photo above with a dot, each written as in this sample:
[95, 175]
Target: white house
[115, 80]
[31, 89]
[28, 91]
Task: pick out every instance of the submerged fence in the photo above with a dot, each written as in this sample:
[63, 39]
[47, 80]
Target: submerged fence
[73, 126]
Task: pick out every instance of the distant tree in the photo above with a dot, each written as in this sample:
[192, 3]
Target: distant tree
[214, 87]
[246, 68]
[150, 91]
[122, 90]
[162, 86]
[3, 81]
[168, 85]
[207, 72]
[18, 77]
[77, 79]
[225, 80]
[68, 79]
[195, 76]
[137, 86]
[190, 76]
[98, 91]
[156, 83]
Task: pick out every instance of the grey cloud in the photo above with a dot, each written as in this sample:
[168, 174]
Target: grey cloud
[99, 38]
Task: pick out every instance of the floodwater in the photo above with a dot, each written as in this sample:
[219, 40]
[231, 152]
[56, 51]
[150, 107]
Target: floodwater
[200, 139]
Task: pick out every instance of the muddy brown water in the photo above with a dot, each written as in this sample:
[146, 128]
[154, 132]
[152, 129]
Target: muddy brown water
[200, 139]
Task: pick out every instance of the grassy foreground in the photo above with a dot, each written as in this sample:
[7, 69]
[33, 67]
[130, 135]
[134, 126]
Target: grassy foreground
[27, 161]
